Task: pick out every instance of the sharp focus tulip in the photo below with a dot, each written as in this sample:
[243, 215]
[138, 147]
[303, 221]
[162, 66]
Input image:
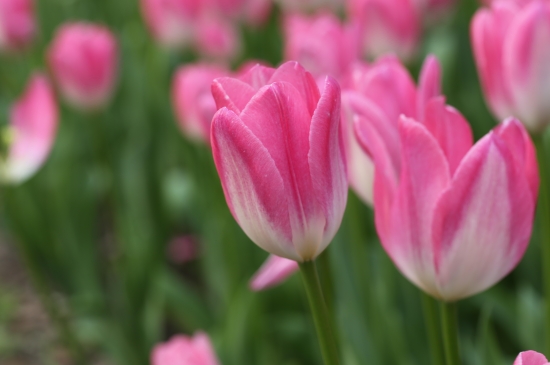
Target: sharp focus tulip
[381, 92]
[274, 271]
[184, 350]
[454, 218]
[513, 59]
[33, 125]
[83, 60]
[278, 153]
[17, 24]
[386, 26]
[192, 99]
[531, 358]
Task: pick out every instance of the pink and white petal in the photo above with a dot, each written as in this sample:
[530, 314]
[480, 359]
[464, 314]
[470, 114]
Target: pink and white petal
[253, 187]
[530, 358]
[172, 352]
[424, 177]
[429, 84]
[274, 271]
[231, 93]
[482, 222]
[293, 73]
[326, 160]
[520, 144]
[450, 129]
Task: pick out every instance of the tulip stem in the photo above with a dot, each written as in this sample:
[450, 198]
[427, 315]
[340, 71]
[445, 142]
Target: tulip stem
[319, 311]
[449, 328]
[544, 218]
[431, 320]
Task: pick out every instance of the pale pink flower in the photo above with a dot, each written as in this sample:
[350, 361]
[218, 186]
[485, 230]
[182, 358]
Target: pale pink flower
[17, 24]
[216, 37]
[274, 271]
[184, 350]
[531, 358]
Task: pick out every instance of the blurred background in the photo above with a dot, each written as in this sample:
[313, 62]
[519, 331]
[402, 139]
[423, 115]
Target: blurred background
[123, 238]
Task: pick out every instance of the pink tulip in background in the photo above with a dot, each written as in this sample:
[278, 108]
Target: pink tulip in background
[274, 271]
[192, 99]
[33, 125]
[531, 358]
[253, 12]
[321, 43]
[184, 350]
[83, 59]
[511, 50]
[217, 38]
[17, 24]
[385, 26]
[279, 157]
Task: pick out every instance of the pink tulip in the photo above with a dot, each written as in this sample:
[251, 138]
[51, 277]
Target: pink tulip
[184, 350]
[531, 358]
[17, 24]
[183, 249]
[274, 271]
[386, 26]
[254, 12]
[33, 125]
[217, 38]
[192, 99]
[382, 92]
[454, 218]
[83, 59]
[513, 59]
[320, 43]
[278, 153]
[172, 22]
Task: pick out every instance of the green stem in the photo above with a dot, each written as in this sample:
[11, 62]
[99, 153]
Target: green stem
[429, 306]
[323, 322]
[449, 328]
[325, 278]
[544, 219]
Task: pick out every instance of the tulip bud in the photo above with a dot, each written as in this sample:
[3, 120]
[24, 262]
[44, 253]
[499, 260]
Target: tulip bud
[278, 154]
[17, 24]
[274, 271]
[531, 358]
[83, 61]
[32, 129]
[192, 99]
[196, 350]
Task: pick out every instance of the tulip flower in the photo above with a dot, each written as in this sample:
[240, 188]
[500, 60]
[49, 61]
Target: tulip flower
[274, 271]
[17, 24]
[192, 99]
[513, 59]
[278, 154]
[531, 358]
[254, 12]
[83, 61]
[217, 38]
[320, 43]
[31, 133]
[385, 26]
[184, 350]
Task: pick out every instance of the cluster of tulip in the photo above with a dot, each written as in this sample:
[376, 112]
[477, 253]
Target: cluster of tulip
[454, 216]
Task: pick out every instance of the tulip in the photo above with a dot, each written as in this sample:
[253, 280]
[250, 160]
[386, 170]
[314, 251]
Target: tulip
[386, 26]
[83, 61]
[274, 271]
[184, 350]
[183, 249]
[217, 38]
[192, 100]
[320, 43]
[32, 129]
[17, 24]
[278, 154]
[513, 59]
[531, 358]
[254, 12]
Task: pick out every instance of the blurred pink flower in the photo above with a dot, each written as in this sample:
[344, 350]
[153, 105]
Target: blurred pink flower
[217, 37]
[385, 26]
[183, 249]
[83, 59]
[513, 59]
[321, 43]
[17, 24]
[184, 350]
[253, 12]
[531, 358]
[274, 271]
[192, 99]
[31, 133]
[278, 154]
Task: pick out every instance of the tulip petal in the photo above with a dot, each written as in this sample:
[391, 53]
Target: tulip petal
[204, 351]
[530, 358]
[274, 271]
[429, 84]
[253, 187]
[231, 93]
[257, 76]
[482, 222]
